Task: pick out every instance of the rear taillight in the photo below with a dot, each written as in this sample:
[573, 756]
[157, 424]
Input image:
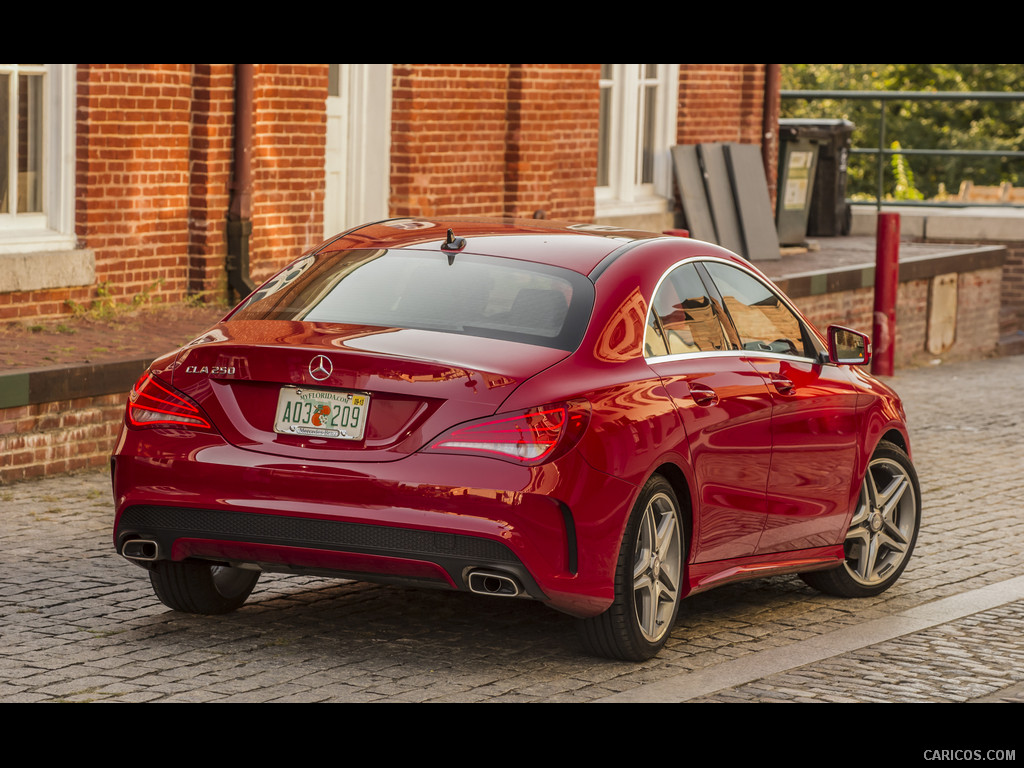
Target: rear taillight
[152, 404]
[527, 437]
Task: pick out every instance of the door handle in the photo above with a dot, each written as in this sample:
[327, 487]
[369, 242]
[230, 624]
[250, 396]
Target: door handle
[703, 395]
[783, 385]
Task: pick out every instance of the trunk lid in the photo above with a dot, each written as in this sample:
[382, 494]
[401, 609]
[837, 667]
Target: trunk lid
[352, 393]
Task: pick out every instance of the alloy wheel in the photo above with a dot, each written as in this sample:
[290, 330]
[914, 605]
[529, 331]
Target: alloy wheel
[882, 530]
[657, 567]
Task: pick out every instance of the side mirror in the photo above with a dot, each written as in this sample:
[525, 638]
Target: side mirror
[848, 347]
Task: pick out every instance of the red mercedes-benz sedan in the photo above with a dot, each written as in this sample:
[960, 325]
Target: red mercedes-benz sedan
[602, 420]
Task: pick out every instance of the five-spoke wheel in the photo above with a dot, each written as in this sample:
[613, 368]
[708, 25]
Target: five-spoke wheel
[648, 580]
[657, 567]
[882, 531]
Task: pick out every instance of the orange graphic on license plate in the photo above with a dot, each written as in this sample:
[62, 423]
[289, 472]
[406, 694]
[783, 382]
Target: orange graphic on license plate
[323, 410]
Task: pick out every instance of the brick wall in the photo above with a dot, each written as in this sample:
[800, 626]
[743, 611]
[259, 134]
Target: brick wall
[1011, 294]
[977, 313]
[26, 306]
[211, 157]
[721, 102]
[288, 164]
[494, 140]
[977, 316]
[132, 145]
[448, 135]
[1013, 288]
[60, 436]
[552, 140]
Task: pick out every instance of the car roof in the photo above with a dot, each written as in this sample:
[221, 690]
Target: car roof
[579, 247]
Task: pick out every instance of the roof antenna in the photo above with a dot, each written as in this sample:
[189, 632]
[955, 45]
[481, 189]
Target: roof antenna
[453, 243]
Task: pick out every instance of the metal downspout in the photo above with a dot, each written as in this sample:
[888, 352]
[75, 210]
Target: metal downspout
[239, 212]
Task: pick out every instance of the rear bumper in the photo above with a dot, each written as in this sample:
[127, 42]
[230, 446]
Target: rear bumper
[296, 544]
[424, 519]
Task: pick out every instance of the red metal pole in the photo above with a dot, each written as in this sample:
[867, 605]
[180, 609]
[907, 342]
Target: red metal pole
[887, 279]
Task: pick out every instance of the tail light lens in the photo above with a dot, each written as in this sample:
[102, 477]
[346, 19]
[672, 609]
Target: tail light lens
[528, 437]
[153, 404]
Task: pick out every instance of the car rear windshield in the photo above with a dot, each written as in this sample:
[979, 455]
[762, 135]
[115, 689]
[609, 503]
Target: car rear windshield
[462, 293]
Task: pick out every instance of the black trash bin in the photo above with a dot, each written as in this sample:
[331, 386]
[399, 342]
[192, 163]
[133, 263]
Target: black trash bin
[798, 161]
[829, 213]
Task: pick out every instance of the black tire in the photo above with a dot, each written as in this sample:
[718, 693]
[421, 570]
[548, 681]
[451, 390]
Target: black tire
[883, 530]
[197, 587]
[648, 580]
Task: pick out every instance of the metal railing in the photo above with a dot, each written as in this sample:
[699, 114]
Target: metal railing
[883, 153]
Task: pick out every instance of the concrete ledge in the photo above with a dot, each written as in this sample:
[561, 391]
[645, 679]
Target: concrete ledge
[47, 385]
[837, 279]
[46, 269]
[1000, 224]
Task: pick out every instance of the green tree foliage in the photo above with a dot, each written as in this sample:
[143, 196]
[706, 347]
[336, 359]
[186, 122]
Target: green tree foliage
[973, 124]
[905, 188]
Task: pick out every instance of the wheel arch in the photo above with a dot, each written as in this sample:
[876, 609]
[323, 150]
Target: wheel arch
[675, 476]
[896, 437]
[884, 421]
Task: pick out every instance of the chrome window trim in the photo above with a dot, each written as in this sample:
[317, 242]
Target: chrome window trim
[744, 353]
[739, 352]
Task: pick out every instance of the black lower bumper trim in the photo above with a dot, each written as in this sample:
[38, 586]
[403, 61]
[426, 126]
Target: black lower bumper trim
[454, 552]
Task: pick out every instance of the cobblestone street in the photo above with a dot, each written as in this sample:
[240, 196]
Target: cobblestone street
[78, 623]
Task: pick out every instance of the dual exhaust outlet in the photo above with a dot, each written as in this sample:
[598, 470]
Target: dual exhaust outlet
[492, 583]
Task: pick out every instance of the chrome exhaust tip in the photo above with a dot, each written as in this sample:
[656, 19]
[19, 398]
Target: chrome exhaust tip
[493, 583]
[140, 549]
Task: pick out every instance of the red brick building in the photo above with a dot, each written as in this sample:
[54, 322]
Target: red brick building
[119, 181]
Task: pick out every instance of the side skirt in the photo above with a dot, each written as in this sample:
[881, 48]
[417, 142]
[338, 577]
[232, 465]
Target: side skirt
[705, 576]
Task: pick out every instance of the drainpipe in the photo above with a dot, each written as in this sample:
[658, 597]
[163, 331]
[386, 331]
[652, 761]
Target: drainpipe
[770, 126]
[240, 210]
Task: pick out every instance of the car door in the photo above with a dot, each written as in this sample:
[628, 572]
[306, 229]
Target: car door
[725, 406]
[814, 421]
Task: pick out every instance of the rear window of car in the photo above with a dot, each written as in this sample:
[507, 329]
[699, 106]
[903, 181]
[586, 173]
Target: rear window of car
[463, 294]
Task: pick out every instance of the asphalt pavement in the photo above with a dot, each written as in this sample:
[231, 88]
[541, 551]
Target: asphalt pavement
[80, 624]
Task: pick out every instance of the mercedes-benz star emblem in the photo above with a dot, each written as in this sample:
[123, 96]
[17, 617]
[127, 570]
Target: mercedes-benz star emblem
[320, 367]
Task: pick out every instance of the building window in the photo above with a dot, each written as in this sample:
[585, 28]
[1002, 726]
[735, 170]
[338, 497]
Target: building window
[637, 129]
[36, 157]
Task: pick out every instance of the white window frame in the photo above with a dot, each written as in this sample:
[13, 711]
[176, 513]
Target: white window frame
[358, 152]
[52, 229]
[623, 144]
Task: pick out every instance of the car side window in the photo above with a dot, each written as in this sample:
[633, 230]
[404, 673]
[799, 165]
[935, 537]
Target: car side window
[762, 320]
[654, 339]
[683, 318]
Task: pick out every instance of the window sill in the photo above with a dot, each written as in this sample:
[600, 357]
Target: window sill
[647, 205]
[649, 214]
[46, 269]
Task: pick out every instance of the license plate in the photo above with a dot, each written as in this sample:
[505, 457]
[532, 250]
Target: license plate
[321, 413]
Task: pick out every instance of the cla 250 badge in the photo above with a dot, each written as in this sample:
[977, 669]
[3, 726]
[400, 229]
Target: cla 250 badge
[212, 370]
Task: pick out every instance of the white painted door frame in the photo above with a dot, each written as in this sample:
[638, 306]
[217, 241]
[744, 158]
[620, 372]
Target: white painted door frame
[358, 155]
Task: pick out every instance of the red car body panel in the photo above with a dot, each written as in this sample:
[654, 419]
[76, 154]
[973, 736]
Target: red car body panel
[767, 452]
[415, 396]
